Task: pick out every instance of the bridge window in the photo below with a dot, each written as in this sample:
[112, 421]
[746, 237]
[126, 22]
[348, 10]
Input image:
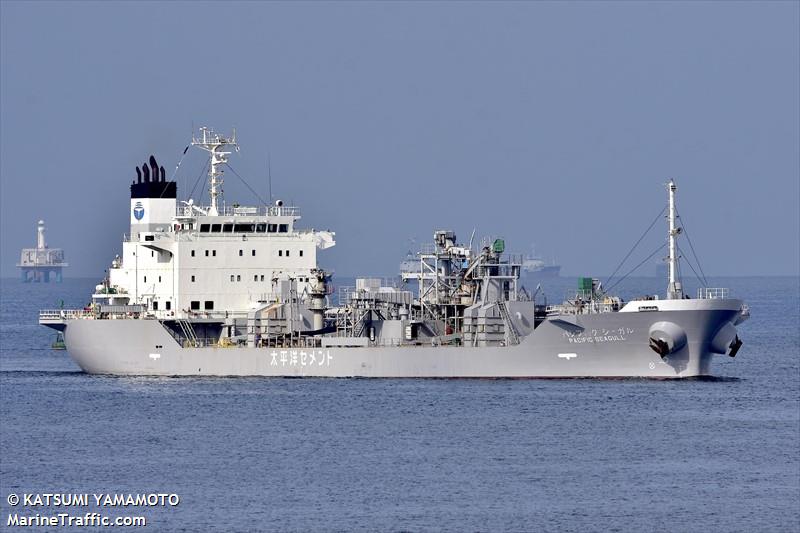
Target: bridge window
[261, 228]
[216, 228]
[253, 253]
[206, 253]
[209, 305]
[227, 228]
[192, 279]
[287, 253]
[283, 228]
[195, 305]
[255, 277]
[262, 277]
[244, 228]
[280, 253]
[214, 253]
[192, 253]
[205, 228]
[168, 305]
[272, 228]
[241, 253]
[301, 253]
[238, 277]
[155, 306]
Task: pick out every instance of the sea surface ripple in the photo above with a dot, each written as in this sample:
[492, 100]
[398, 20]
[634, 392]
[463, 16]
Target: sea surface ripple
[254, 454]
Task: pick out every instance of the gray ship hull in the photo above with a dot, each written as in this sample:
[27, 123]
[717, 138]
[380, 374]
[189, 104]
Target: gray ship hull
[595, 345]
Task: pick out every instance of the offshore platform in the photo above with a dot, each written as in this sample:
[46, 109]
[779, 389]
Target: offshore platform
[41, 264]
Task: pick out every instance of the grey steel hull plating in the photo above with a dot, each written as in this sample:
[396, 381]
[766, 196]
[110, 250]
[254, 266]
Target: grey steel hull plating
[599, 345]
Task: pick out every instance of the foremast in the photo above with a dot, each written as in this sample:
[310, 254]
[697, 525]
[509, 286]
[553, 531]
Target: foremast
[214, 143]
[674, 287]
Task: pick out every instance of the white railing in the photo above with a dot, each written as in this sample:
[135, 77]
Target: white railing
[709, 293]
[64, 314]
[138, 311]
[585, 308]
[58, 315]
[428, 248]
[230, 210]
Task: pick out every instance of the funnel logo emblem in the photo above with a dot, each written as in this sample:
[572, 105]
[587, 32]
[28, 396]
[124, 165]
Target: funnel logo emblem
[138, 211]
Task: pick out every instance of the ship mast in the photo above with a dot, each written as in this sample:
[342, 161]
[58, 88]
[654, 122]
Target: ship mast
[674, 289]
[213, 143]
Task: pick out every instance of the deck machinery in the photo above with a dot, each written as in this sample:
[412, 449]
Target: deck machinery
[462, 298]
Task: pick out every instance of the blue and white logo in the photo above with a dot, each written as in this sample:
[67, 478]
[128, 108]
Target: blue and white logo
[138, 211]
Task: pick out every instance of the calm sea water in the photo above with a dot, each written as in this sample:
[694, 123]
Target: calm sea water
[414, 455]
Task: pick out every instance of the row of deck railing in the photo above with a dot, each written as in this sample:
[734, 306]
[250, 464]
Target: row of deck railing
[70, 314]
[184, 235]
[122, 312]
[712, 293]
[230, 211]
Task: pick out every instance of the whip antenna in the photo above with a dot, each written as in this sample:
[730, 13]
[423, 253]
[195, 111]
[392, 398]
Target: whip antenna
[269, 175]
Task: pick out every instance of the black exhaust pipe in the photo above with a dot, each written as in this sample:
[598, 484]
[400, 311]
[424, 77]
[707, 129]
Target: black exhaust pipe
[154, 167]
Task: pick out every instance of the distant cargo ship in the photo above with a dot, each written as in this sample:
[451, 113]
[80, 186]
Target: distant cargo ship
[534, 264]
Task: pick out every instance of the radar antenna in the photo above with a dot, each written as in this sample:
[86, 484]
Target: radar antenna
[214, 144]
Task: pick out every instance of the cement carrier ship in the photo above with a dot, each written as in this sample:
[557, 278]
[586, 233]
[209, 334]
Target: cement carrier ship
[226, 290]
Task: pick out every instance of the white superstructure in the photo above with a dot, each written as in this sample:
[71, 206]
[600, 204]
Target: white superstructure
[187, 260]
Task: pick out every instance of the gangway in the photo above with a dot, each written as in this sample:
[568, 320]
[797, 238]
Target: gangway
[511, 333]
[188, 331]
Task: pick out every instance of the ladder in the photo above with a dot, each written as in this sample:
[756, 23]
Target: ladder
[511, 333]
[188, 332]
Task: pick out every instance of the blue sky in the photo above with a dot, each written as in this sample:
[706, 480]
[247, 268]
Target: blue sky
[546, 123]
